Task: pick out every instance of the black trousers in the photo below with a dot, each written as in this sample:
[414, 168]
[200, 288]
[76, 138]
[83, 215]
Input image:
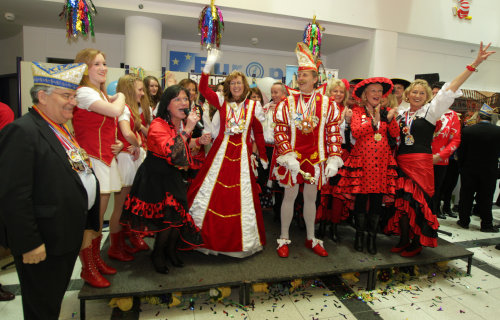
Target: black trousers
[450, 182]
[484, 183]
[43, 284]
[439, 175]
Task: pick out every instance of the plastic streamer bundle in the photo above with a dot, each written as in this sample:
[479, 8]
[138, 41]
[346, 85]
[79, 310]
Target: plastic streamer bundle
[79, 16]
[312, 37]
[211, 26]
[137, 71]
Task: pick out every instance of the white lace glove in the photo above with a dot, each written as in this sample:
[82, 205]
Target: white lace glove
[254, 164]
[332, 166]
[289, 161]
[212, 57]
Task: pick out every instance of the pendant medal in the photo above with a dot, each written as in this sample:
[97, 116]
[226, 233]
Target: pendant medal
[377, 136]
[409, 140]
[307, 126]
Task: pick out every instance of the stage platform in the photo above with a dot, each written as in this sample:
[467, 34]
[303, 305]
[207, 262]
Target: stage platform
[202, 272]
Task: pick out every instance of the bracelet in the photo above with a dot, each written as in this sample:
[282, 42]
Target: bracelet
[471, 68]
[198, 142]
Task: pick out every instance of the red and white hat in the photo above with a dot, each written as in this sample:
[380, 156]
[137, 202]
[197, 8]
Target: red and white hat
[305, 58]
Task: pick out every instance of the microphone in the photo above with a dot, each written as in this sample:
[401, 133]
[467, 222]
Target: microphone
[199, 125]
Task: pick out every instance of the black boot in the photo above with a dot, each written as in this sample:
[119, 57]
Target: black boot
[360, 231]
[321, 230]
[334, 232]
[171, 249]
[158, 256]
[372, 233]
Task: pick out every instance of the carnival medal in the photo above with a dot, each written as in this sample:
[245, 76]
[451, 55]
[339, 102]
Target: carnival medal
[409, 140]
[377, 136]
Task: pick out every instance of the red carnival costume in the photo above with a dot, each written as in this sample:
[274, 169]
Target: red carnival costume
[307, 149]
[224, 196]
[446, 136]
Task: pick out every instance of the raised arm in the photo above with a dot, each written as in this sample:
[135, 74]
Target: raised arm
[482, 55]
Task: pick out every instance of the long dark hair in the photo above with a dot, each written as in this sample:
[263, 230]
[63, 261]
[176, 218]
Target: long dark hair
[168, 95]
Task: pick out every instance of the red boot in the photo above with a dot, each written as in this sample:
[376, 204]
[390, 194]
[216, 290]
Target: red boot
[96, 254]
[89, 273]
[117, 248]
[138, 242]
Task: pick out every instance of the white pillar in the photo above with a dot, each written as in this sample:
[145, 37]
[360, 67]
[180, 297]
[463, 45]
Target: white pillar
[143, 43]
[384, 52]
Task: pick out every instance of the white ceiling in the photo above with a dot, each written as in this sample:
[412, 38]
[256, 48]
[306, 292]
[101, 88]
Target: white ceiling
[182, 26]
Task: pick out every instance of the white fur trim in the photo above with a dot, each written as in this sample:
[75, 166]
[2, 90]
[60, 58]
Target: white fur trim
[282, 242]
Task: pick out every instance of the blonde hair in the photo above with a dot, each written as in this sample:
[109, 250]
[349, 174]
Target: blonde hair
[392, 101]
[126, 85]
[227, 82]
[418, 82]
[334, 83]
[87, 56]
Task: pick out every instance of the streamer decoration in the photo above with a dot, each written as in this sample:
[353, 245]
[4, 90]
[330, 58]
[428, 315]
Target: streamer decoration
[79, 16]
[312, 37]
[211, 26]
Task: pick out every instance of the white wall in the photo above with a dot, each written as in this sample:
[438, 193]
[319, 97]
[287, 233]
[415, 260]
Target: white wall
[10, 49]
[40, 43]
[428, 18]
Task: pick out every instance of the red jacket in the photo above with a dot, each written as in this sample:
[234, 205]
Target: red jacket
[446, 136]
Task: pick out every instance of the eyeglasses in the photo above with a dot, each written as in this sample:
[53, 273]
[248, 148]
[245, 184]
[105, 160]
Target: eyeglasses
[178, 99]
[66, 96]
[235, 83]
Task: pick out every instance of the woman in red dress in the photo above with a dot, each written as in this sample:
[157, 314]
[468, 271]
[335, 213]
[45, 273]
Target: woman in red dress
[369, 172]
[224, 196]
[415, 184]
[157, 201]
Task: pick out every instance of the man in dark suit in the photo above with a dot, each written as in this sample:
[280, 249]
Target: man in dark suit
[49, 193]
[478, 162]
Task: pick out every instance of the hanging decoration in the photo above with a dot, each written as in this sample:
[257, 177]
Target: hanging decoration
[462, 11]
[139, 71]
[312, 37]
[211, 26]
[79, 17]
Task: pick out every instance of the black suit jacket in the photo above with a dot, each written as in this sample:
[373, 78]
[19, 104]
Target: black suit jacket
[479, 148]
[42, 199]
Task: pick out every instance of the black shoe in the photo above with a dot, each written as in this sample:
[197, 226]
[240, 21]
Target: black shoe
[440, 215]
[321, 230]
[490, 229]
[6, 295]
[359, 241]
[463, 225]
[497, 247]
[372, 244]
[446, 210]
[453, 214]
[159, 262]
[455, 209]
[334, 232]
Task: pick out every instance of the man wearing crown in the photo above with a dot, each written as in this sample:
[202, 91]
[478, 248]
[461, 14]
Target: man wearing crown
[49, 193]
[307, 142]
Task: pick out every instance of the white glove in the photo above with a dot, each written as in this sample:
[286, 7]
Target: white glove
[264, 163]
[332, 166]
[289, 161]
[212, 57]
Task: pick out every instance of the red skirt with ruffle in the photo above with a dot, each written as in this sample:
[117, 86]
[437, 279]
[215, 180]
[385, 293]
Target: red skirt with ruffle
[415, 186]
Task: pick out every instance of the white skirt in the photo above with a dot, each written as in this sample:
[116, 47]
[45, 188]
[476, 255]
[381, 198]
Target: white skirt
[109, 177]
[128, 167]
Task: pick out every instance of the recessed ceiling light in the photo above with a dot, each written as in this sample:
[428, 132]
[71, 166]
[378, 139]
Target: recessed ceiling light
[9, 16]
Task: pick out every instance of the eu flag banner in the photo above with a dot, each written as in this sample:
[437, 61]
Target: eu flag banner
[182, 61]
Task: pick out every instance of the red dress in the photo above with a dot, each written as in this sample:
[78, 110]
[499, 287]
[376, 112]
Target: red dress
[224, 196]
[370, 167]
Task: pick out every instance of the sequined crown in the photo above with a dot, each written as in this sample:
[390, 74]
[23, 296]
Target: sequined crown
[66, 76]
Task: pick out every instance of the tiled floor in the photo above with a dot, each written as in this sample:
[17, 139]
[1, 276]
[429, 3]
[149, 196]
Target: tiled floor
[435, 292]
